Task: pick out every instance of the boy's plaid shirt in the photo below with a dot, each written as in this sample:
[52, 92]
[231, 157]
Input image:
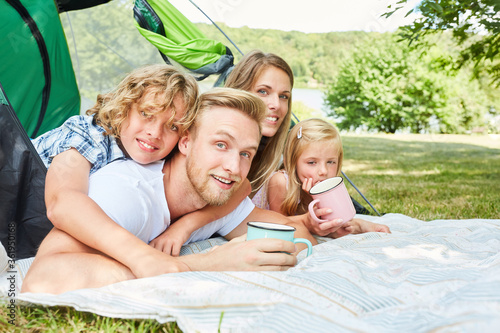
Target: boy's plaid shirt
[87, 138]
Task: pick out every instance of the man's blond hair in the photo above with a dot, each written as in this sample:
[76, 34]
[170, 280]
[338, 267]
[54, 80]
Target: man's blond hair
[245, 102]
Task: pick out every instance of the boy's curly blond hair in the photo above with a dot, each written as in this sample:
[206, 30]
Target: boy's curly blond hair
[165, 82]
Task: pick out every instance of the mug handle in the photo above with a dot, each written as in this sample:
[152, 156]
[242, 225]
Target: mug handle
[305, 241]
[311, 212]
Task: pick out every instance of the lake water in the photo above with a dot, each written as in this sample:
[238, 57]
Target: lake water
[313, 98]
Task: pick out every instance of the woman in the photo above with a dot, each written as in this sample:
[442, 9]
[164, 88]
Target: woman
[271, 78]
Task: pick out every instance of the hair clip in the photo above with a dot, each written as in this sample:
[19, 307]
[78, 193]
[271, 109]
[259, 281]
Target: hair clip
[299, 133]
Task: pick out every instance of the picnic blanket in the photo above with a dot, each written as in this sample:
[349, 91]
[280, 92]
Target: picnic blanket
[439, 276]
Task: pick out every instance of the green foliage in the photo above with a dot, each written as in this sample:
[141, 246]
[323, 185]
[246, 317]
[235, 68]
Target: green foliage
[108, 46]
[427, 177]
[105, 45]
[385, 86]
[37, 318]
[314, 57]
[475, 27]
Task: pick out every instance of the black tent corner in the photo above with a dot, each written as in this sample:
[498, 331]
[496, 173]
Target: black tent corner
[23, 220]
[69, 5]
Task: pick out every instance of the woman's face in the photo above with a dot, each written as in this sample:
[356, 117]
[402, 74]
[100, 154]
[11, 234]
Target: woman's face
[274, 88]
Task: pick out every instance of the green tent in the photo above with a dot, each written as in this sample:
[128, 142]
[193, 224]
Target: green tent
[35, 66]
[180, 41]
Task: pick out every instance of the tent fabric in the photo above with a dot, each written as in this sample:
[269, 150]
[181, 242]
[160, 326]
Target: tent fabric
[360, 209]
[69, 5]
[23, 220]
[180, 40]
[35, 66]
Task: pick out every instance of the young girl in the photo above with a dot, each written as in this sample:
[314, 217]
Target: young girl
[313, 153]
[141, 119]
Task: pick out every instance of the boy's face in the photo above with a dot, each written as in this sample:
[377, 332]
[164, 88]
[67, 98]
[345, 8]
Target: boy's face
[318, 161]
[147, 135]
[219, 157]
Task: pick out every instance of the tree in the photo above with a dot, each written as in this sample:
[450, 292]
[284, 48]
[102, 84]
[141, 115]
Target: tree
[475, 27]
[386, 86]
[105, 45]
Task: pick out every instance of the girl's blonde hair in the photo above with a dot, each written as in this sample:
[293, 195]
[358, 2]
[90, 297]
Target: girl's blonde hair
[303, 134]
[244, 76]
[165, 82]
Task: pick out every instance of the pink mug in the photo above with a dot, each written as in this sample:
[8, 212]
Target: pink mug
[332, 193]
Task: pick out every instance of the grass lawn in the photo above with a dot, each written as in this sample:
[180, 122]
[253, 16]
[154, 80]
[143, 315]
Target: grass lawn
[427, 177]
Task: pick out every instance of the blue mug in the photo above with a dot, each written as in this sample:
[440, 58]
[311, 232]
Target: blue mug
[273, 230]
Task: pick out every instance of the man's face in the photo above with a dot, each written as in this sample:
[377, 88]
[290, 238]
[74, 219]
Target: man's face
[219, 156]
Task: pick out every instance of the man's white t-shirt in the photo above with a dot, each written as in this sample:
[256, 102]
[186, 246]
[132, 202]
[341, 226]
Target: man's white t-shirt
[133, 196]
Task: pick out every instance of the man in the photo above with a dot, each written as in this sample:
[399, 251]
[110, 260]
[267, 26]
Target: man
[214, 158]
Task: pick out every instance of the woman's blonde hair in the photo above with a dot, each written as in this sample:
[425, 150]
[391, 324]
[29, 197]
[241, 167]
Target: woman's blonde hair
[244, 76]
[165, 82]
[304, 133]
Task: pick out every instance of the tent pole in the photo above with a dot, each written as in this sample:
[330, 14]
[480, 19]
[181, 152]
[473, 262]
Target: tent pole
[229, 39]
[368, 202]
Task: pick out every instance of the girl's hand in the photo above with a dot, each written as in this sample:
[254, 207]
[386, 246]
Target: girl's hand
[326, 228]
[342, 231]
[360, 226]
[307, 184]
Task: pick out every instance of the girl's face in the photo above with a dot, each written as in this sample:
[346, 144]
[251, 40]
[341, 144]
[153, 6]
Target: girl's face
[147, 135]
[318, 161]
[274, 88]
